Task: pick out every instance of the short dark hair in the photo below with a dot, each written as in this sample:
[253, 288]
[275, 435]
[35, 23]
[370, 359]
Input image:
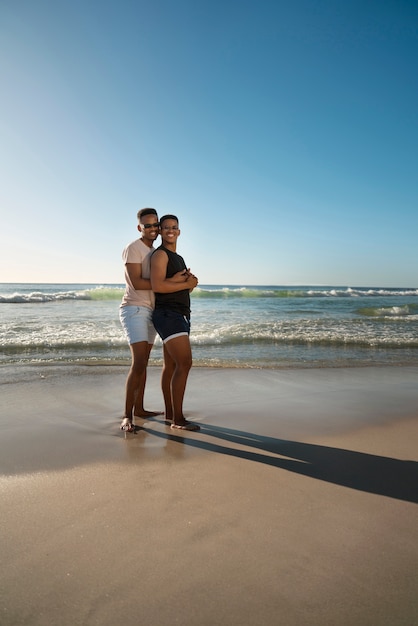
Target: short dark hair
[143, 212]
[169, 217]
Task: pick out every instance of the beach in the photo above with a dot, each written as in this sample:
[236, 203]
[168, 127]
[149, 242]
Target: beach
[296, 502]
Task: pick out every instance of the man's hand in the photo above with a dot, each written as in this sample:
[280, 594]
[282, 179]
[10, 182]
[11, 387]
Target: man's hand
[191, 280]
[180, 277]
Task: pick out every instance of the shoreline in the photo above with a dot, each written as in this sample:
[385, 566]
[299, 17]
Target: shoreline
[8, 370]
[295, 504]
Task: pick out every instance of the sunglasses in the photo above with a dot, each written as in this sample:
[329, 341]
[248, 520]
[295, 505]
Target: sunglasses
[155, 225]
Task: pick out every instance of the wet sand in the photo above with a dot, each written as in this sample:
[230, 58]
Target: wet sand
[295, 504]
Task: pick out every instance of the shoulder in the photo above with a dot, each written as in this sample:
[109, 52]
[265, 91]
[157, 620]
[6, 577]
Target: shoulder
[136, 251]
[160, 253]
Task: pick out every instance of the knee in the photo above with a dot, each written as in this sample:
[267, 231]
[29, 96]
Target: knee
[185, 364]
[168, 370]
[138, 367]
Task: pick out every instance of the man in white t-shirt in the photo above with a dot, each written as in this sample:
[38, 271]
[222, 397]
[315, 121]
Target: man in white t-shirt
[135, 315]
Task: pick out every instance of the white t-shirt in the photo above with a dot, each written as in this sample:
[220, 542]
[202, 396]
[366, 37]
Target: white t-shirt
[137, 252]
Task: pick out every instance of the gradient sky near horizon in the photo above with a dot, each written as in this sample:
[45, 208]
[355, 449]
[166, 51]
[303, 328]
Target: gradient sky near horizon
[283, 134]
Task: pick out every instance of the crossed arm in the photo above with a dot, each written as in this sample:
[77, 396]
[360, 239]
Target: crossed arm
[160, 284]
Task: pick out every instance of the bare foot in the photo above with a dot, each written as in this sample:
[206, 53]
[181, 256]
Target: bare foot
[185, 425]
[145, 414]
[127, 425]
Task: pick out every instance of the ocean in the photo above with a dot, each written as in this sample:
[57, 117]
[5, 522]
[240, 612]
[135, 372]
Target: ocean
[232, 326]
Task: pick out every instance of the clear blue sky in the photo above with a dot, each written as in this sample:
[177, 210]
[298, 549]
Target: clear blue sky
[283, 134]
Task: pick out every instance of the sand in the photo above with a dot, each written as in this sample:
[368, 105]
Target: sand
[296, 503]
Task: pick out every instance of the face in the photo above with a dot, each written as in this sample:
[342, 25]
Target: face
[169, 230]
[149, 228]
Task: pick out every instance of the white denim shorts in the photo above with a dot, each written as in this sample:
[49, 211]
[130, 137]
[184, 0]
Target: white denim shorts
[137, 324]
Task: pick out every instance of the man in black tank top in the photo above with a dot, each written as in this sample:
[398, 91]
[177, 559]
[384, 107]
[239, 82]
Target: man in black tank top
[172, 283]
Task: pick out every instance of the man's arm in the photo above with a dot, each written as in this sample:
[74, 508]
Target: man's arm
[161, 284]
[134, 271]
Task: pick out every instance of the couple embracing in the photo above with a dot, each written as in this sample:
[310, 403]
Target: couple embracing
[157, 299]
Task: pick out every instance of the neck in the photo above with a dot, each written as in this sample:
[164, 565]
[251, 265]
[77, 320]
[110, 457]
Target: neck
[170, 245]
[147, 242]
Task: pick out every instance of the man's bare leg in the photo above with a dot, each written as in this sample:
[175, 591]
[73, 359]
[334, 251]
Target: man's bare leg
[135, 382]
[180, 353]
[139, 410]
[166, 376]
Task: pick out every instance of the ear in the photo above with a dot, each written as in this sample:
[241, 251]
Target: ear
[139, 227]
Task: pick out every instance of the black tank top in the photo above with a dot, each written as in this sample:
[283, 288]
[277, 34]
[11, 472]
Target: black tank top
[179, 300]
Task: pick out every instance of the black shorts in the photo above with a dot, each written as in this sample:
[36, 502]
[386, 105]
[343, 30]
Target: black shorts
[170, 324]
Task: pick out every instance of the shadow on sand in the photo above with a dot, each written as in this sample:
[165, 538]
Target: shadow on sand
[380, 475]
